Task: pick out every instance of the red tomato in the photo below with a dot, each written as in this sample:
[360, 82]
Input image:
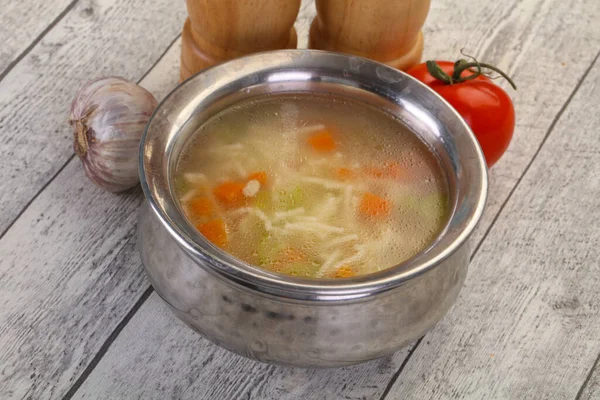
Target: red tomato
[485, 107]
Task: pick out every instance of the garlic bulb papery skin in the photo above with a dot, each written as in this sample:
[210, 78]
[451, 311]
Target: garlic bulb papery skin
[108, 116]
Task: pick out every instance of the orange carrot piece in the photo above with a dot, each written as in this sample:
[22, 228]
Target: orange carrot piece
[258, 176]
[375, 172]
[344, 174]
[291, 254]
[391, 169]
[201, 207]
[394, 169]
[344, 271]
[286, 257]
[215, 231]
[322, 141]
[230, 194]
[372, 205]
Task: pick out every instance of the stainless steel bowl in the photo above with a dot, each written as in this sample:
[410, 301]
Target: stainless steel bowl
[294, 321]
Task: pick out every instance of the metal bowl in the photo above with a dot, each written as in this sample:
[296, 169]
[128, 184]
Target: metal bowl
[283, 319]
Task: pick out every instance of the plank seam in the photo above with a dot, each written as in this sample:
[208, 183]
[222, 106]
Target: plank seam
[512, 191]
[52, 24]
[397, 374]
[543, 142]
[587, 378]
[159, 58]
[119, 328]
[35, 196]
[6, 72]
[107, 343]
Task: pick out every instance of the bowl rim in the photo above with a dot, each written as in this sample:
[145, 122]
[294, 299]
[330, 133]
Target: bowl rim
[253, 278]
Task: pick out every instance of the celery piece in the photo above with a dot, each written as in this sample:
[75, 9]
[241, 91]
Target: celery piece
[263, 201]
[268, 249]
[251, 232]
[290, 199]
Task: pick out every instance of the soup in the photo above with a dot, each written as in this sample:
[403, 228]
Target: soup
[311, 186]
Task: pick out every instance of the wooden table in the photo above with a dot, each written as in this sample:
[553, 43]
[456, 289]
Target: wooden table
[78, 318]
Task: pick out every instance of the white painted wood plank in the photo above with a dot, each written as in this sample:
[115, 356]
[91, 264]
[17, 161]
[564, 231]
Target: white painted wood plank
[526, 325]
[302, 25]
[591, 390]
[22, 23]
[69, 273]
[98, 37]
[507, 33]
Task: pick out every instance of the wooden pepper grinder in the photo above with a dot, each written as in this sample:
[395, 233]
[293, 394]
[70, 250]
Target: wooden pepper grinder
[219, 30]
[388, 31]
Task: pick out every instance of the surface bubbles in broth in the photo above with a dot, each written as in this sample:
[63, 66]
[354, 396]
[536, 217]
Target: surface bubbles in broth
[312, 186]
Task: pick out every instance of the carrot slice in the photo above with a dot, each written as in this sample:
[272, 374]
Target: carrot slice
[394, 169]
[291, 254]
[230, 194]
[286, 257]
[344, 174]
[372, 205]
[201, 207]
[391, 169]
[258, 176]
[375, 172]
[322, 141]
[344, 271]
[215, 231]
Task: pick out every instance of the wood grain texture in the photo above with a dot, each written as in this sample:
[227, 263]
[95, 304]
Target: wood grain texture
[216, 31]
[382, 30]
[526, 325]
[520, 37]
[69, 273]
[96, 38]
[591, 388]
[63, 289]
[508, 34]
[22, 23]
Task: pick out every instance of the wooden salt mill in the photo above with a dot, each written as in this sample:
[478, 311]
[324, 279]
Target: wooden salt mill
[219, 30]
[388, 31]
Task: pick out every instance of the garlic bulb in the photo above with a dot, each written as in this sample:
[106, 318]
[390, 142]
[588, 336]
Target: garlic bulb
[108, 116]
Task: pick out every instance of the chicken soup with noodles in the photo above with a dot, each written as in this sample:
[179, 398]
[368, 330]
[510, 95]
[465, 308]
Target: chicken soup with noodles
[312, 186]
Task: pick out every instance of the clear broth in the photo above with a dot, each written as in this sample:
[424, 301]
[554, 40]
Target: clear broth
[312, 186]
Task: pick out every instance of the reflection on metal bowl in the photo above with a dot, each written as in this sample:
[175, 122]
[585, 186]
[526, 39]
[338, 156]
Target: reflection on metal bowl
[293, 321]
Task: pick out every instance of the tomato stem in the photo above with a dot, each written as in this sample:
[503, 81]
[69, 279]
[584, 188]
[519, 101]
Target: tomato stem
[459, 67]
[466, 65]
[436, 71]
